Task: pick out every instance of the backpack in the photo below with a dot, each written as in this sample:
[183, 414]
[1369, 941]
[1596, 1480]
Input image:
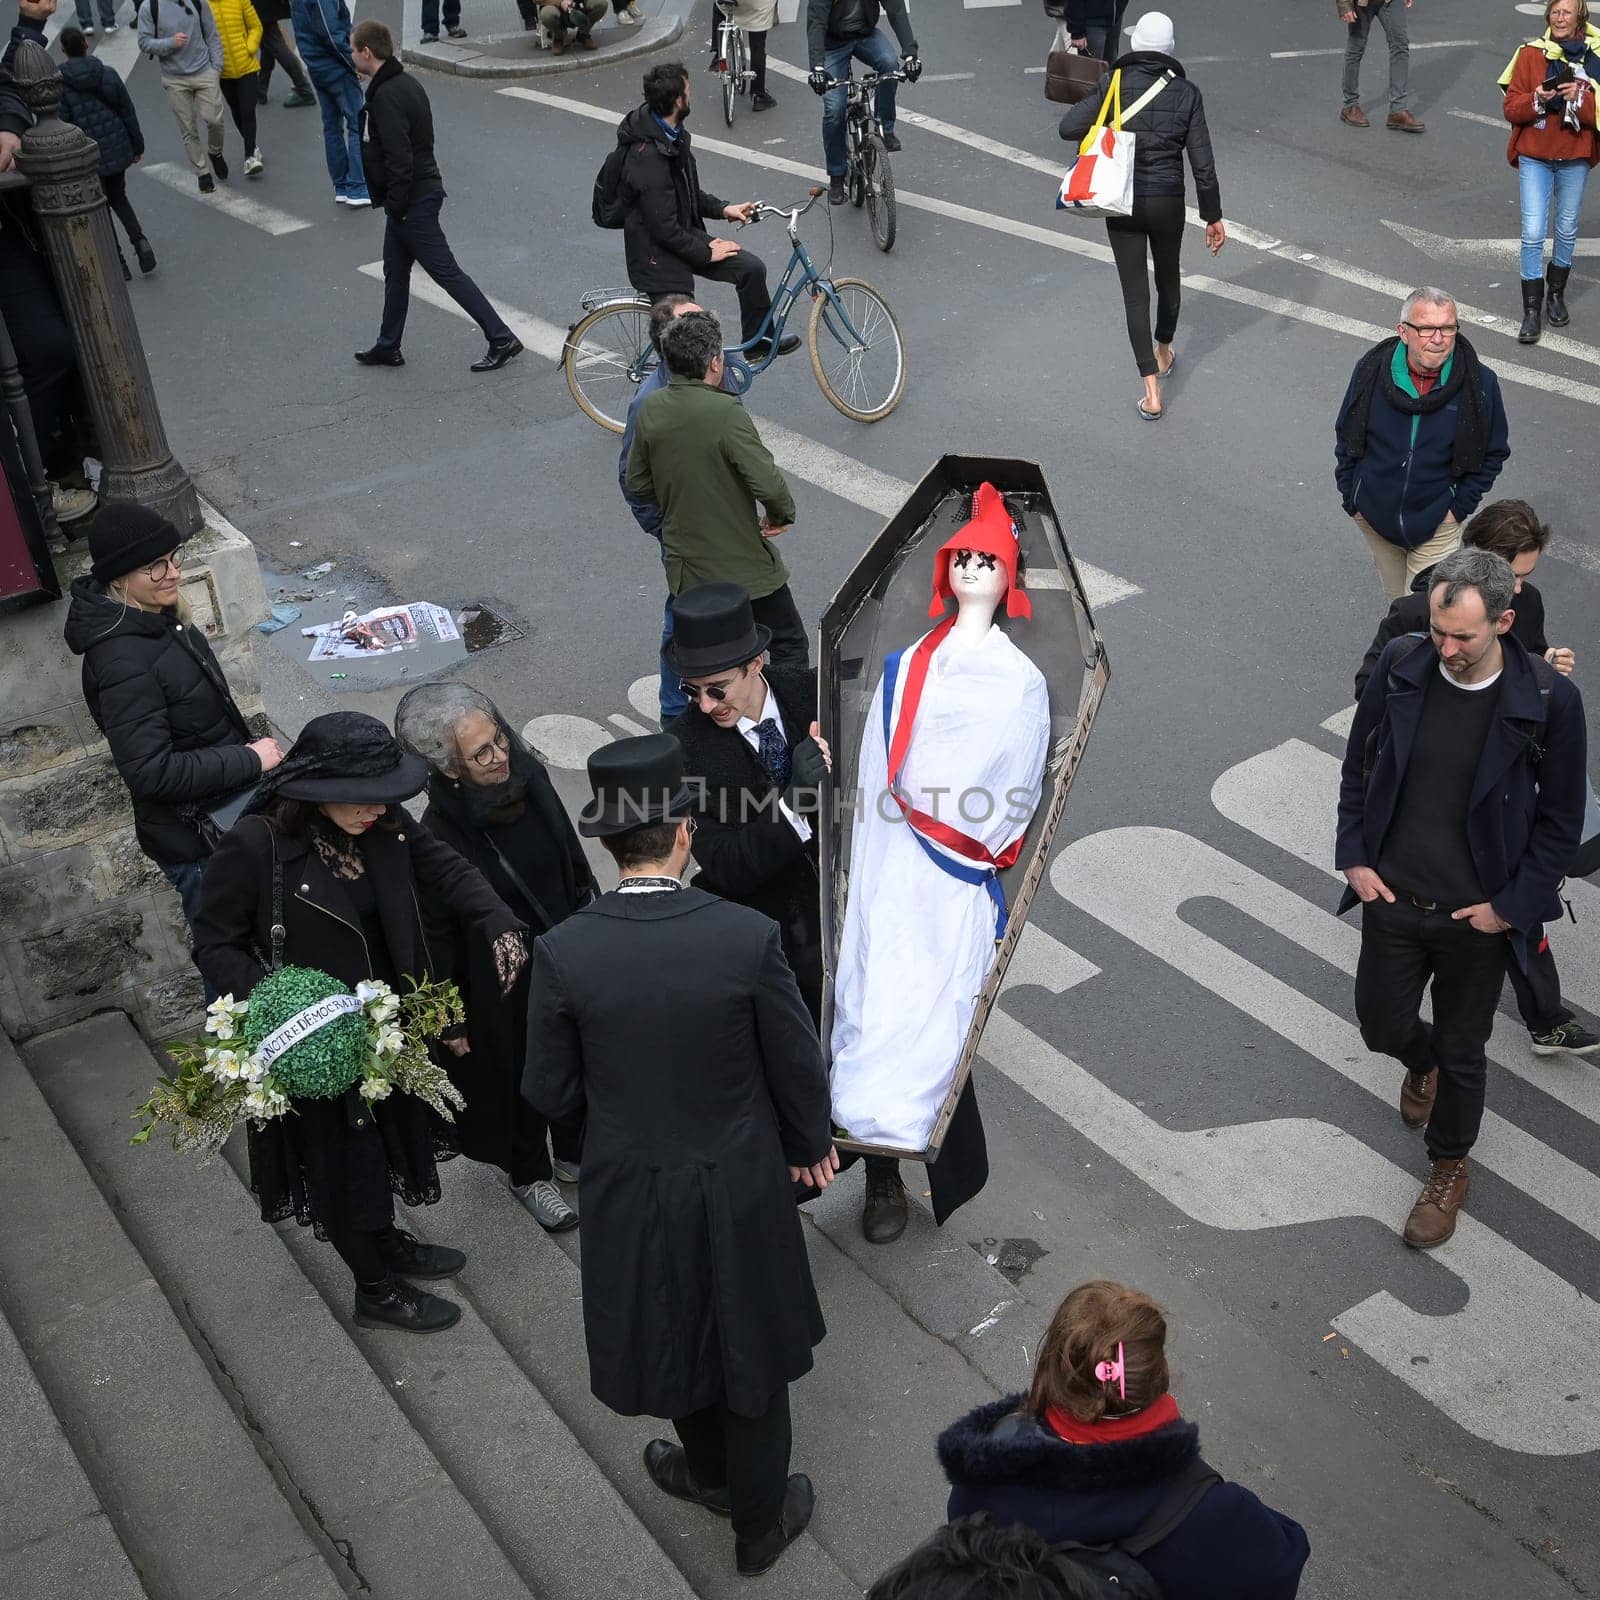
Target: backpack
[608, 208]
[1114, 1569]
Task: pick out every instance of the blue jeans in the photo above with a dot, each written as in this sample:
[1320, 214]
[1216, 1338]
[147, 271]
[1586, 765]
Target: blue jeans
[186, 877]
[1540, 181]
[339, 95]
[674, 702]
[872, 50]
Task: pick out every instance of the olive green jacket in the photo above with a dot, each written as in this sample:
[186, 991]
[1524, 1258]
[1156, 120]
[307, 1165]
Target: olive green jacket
[697, 454]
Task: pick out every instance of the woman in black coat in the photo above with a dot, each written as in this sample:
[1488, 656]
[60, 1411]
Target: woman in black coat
[361, 892]
[491, 799]
[1165, 126]
[1096, 1452]
[156, 692]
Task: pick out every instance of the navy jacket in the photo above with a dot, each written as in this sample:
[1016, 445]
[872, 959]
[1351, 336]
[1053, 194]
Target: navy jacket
[1524, 822]
[96, 100]
[1403, 488]
[1230, 1547]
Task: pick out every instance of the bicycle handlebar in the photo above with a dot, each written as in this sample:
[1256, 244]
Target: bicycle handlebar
[761, 208]
[868, 80]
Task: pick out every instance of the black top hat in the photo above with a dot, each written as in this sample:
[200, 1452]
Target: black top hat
[346, 758]
[637, 783]
[713, 629]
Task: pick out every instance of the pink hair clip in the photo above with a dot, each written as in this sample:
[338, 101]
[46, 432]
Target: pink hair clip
[1114, 1372]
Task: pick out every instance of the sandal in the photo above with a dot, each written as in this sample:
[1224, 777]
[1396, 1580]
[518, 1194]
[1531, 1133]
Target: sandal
[1163, 376]
[1149, 416]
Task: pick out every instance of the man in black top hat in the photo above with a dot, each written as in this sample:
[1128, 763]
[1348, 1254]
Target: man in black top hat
[672, 1017]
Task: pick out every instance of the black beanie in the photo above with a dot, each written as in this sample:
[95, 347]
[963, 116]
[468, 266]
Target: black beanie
[124, 536]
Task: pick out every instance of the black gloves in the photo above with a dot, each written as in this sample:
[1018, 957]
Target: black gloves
[912, 67]
[807, 770]
[818, 79]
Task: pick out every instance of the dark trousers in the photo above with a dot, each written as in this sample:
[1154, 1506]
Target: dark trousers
[747, 272]
[757, 39]
[115, 185]
[275, 47]
[419, 238]
[1538, 990]
[747, 1456]
[790, 646]
[430, 15]
[1105, 38]
[1403, 950]
[240, 93]
[363, 1253]
[1156, 223]
[530, 1157]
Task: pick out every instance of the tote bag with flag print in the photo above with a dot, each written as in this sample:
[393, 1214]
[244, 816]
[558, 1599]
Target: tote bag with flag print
[1099, 183]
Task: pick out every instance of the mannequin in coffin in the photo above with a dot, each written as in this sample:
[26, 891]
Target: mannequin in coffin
[950, 772]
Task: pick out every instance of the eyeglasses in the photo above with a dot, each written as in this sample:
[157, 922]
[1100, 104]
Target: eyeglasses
[167, 566]
[1446, 330]
[488, 755]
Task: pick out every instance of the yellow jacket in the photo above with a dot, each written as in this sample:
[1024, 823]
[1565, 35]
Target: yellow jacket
[239, 28]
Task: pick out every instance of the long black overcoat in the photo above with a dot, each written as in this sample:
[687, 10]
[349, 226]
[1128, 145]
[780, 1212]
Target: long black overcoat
[675, 1018]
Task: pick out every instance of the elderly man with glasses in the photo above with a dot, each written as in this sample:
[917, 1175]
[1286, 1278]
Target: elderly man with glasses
[1420, 439]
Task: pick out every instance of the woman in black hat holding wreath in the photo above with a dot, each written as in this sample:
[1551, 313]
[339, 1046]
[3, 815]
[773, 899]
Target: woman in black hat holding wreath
[329, 861]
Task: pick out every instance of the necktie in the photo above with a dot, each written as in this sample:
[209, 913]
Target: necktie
[774, 751]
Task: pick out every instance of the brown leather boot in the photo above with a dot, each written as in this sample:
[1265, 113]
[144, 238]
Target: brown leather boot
[1417, 1090]
[1433, 1217]
[1404, 122]
[1354, 116]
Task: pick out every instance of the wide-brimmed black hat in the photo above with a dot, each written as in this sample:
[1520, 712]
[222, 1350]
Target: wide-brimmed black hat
[713, 629]
[346, 758]
[637, 783]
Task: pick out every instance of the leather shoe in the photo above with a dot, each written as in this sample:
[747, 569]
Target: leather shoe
[496, 356]
[1433, 1217]
[755, 1556]
[1417, 1090]
[406, 1254]
[1354, 117]
[588, 42]
[787, 346]
[1404, 122]
[668, 1467]
[381, 356]
[883, 1218]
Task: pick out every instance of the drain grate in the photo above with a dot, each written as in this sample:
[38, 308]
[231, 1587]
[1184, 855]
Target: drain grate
[1013, 1259]
[482, 627]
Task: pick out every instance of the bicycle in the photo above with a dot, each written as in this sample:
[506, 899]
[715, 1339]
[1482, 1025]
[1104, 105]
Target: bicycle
[867, 176]
[734, 53]
[858, 353]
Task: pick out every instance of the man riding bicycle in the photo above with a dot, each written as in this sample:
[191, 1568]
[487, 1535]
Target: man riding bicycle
[837, 32]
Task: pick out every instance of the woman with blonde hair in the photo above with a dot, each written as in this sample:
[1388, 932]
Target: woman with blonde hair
[1097, 1459]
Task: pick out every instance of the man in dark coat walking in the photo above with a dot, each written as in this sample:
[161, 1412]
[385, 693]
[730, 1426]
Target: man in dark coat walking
[403, 178]
[674, 1018]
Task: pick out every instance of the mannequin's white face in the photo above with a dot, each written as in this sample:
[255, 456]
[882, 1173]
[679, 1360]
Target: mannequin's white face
[976, 579]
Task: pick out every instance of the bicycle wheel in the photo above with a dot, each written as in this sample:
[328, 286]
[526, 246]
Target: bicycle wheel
[864, 378]
[730, 83]
[856, 172]
[879, 184]
[741, 77]
[604, 360]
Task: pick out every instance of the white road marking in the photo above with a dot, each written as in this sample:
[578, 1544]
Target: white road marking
[1442, 246]
[1339, 723]
[1297, 1170]
[1338, 50]
[946, 77]
[806, 458]
[565, 741]
[627, 724]
[1479, 116]
[267, 218]
[644, 695]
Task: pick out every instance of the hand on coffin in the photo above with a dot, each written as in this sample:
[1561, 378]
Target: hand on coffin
[810, 761]
[819, 1176]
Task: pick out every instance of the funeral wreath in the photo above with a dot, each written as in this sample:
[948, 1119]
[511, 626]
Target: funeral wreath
[301, 1034]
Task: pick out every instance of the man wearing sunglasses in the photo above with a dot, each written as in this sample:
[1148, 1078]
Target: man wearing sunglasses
[1419, 441]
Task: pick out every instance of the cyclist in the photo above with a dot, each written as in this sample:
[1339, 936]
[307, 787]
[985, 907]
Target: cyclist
[665, 229]
[837, 32]
[754, 18]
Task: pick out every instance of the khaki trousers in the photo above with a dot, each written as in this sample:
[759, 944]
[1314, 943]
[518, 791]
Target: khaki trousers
[1398, 566]
[194, 99]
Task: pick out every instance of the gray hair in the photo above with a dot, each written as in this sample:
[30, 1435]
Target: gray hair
[1483, 570]
[690, 343]
[1425, 297]
[426, 719]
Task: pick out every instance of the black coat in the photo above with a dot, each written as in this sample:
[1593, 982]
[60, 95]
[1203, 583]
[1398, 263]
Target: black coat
[665, 231]
[95, 99]
[746, 848]
[675, 1020]
[397, 140]
[1410, 614]
[1173, 122]
[1229, 1547]
[156, 692]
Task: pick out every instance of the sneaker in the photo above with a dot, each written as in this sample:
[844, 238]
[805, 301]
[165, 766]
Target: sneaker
[545, 1204]
[219, 166]
[208, 184]
[357, 201]
[402, 1305]
[406, 1254]
[1571, 1038]
[760, 100]
[71, 505]
[430, 38]
[108, 27]
[1433, 1217]
[253, 164]
[890, 142]
[89, 30]
[630, 17]
[300, 97]
[835, 191]
[567, 1171]
[456, 33]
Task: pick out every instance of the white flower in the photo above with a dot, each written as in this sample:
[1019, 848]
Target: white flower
[376, 1089]
[390, 1041]
[372, 989]
[252, 1069]
[378, 1000]
[224, 1065]
[222, 1014]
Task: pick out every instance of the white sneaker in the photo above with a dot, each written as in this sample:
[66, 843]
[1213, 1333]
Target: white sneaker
[71, 505]
[253, 164]
[632, 17]
[356, 201]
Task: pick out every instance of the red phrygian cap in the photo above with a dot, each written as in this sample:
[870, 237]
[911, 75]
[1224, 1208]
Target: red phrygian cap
[992, 533]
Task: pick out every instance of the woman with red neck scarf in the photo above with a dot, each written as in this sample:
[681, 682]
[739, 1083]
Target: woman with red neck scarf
[1097, 1454]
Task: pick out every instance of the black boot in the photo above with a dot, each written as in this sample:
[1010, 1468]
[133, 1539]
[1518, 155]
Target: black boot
[755, 1556]
[147, 256]
[404, 1253]
[883, 1217]
[1532, 305]
[669, 1471]
[1556, 307]
[402, 1305]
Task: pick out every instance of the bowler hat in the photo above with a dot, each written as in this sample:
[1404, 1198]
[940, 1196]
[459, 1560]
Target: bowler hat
[713, 629]
[125, 536]
[637, 783]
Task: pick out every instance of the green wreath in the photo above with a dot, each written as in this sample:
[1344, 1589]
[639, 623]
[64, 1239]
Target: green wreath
[329, 1059]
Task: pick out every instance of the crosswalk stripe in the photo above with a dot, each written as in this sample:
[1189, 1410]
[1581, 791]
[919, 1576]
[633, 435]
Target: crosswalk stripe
[796, 453]
[267, 218]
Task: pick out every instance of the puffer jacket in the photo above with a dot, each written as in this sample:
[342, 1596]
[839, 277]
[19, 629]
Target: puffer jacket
[1173, 122]
[156, 692]
[665, 231]
[239, 28]
[95, 99]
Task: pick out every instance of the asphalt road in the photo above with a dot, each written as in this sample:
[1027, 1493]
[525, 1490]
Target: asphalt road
[1193, 1110]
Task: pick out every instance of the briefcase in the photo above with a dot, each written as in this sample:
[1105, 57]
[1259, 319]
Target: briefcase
[1069, 77]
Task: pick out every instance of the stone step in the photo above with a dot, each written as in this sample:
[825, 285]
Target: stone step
[55, 1541]
[318, 1412]
[155, 1437]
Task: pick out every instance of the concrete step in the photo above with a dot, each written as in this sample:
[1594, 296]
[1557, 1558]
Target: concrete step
[319, 1414]
[155, 1437]
[55, 1541]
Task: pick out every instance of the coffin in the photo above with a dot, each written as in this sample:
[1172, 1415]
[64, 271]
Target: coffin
[883, 606]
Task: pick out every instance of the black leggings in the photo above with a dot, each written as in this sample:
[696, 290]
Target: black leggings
[1158, 219]
[758, 51]
[115, 185]
[362, 1252]
[240, 93]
